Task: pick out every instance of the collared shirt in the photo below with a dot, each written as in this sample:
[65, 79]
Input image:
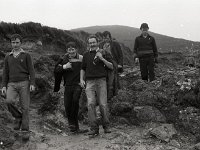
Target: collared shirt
[12, 52]
[93, 50]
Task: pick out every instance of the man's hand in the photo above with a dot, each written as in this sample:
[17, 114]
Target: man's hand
[120, 69]
[67, 65]
[32, 88]
[99, 55]
[3, 91]
[136, 60]
[82, 84]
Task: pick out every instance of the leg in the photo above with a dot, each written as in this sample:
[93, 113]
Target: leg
[90, 92]
[68, 96]
[75, 106]
[24, 91]
[143, 69]
[151, 65]
[12, 94]
[102, 97]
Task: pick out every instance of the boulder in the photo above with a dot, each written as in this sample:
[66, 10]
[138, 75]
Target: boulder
[149, 114]
[164, 132]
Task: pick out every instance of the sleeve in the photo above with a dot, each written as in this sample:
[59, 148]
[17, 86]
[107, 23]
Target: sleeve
[5, 77]
[119, 50]
[58, 66]
[155, 51]
[31, 69]
[135, 48]
[84, 64]
[109, 58]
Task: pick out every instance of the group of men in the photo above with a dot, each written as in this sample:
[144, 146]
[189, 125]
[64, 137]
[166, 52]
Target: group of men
[96, 72]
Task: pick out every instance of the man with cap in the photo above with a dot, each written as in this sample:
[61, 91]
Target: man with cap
[145, 52]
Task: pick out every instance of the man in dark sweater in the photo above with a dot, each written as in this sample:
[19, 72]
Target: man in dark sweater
[145, 51]
[18, 80]
[94, 72]
[68, 67]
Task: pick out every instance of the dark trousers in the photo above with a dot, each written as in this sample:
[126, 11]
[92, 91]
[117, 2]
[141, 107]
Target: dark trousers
[147, 68]
[71, 102]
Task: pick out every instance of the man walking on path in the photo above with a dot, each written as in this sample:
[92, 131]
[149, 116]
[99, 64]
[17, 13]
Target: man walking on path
[69, 68]
[94, 72]
[116, 52]
[145, 51]
[18, 80]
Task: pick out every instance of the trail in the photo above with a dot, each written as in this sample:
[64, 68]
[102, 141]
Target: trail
[123, 137]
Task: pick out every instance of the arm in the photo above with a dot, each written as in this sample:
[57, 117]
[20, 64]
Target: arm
[155, 51]
[31, 70]
[82, 77]
[106, 62]
[5, 76]
[135, 49]
[5, 72]
[119, 51]
[82, 72]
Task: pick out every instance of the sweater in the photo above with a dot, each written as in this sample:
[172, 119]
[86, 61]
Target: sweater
[97, 69]
[71, 76]
[18, 69]
[145, 47]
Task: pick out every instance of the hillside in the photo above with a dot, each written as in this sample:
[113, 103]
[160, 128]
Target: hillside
[127, 36]
[47, 40]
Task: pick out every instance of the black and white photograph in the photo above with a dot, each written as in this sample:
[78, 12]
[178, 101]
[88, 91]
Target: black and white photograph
[99, 75]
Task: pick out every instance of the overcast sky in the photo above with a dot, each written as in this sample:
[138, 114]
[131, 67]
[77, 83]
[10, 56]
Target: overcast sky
[177, 18]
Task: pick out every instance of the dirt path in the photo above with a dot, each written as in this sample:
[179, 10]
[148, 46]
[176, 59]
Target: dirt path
[122, 138]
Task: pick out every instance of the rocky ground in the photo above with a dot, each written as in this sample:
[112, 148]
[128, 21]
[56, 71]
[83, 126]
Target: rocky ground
[161, 115]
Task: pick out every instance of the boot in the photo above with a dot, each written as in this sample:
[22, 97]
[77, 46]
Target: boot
[17, 124]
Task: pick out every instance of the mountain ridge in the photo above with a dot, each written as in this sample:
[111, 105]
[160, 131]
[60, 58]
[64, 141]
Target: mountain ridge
[127, 35]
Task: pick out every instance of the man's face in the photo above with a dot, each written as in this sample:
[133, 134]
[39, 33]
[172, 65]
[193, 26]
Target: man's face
[93, 43]
[144, 31]
[106, 38]
[16, 44]
[71, 51]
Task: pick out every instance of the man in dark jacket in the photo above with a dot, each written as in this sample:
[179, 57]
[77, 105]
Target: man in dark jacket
[116, 52]
[145, 51]
[69, 68]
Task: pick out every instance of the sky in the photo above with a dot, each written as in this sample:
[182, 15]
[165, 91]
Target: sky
[176, 18]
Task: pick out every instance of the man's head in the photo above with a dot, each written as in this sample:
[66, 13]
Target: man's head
[71, 49]
[16, 41]
[144, 28]
[93, 42]
[107, 36]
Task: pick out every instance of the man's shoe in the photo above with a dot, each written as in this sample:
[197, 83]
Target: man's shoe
[107, 130]
[79, 131]
[25, 135]
[17, 124]
[93, 132]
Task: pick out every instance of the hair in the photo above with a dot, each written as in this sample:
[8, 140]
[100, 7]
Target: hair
[91, 37]
[16, 36]
[105, 33]
[71, 44]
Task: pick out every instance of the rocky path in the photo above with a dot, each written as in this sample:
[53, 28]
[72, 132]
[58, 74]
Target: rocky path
[123, 137]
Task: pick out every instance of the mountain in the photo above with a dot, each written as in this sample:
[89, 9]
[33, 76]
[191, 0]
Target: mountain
[47, 40]
[127, 35]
